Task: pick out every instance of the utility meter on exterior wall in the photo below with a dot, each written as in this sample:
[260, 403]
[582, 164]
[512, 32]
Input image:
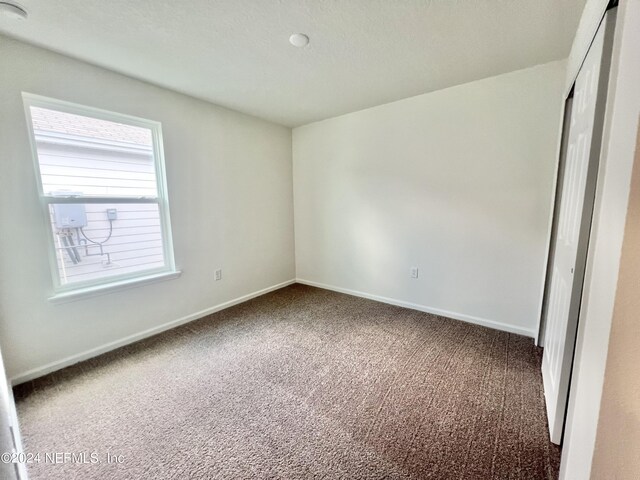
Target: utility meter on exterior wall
[69, 215]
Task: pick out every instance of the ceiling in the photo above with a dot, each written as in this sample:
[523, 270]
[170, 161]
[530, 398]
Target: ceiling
[362, 53]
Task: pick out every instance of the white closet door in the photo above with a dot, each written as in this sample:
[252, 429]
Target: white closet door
[9, 434]
[572, 232]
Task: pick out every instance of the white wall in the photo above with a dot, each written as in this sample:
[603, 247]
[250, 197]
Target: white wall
[621, 124]
[457, 182]
[618, 436]
[230, 190]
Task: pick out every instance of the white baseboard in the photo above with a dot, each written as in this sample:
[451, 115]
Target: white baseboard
[94, 352]
[436, 311]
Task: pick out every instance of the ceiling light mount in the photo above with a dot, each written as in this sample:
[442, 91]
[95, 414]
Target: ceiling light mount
[13, 10]
[299, 40]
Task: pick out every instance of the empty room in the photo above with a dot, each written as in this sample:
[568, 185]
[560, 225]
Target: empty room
[341, 239]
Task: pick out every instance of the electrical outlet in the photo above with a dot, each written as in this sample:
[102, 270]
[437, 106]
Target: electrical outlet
[218, 274]
[413, 272]
[112, 214]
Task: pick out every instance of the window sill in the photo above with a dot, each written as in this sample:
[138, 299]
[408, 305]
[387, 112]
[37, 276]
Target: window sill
[82, 293]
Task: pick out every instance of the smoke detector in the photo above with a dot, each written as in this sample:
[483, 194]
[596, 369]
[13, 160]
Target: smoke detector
[299, 40]
[13, 10]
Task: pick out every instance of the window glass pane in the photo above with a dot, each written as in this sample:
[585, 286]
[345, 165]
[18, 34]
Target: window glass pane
[96, 241]
[80, 155]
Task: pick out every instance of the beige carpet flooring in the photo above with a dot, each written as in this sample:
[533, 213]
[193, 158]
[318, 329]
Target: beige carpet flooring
[299, 383]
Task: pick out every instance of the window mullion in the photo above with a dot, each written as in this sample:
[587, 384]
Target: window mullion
[48, 199]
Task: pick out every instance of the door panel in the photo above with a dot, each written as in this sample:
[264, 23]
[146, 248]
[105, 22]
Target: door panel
[576, 198]
[9, 434]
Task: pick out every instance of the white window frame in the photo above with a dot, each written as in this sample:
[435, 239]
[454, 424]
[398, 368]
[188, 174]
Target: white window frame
[115, 282]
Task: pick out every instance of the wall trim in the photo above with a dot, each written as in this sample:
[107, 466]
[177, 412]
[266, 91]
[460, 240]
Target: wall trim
[107, 347]
[94, 352]
[422, 308]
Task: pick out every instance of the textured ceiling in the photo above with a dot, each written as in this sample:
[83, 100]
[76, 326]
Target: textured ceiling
[362, 53]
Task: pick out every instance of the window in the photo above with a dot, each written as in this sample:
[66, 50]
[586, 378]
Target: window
[102, 184]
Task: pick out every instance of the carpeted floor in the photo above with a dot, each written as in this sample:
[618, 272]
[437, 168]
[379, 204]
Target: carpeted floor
[299, 383]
